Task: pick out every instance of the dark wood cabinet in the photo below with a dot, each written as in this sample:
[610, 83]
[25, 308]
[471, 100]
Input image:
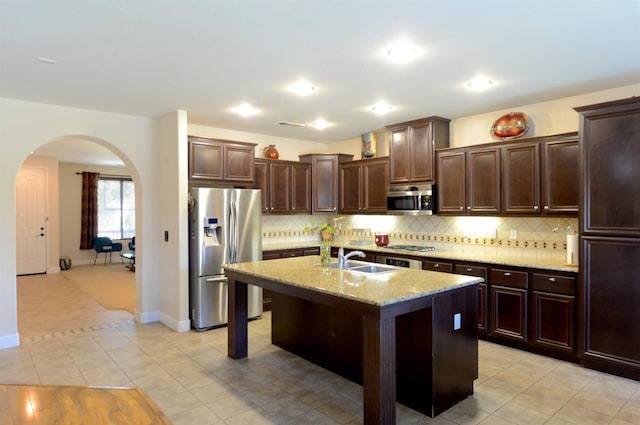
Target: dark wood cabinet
[478, 271]
[300, 188]
[437, 266]
[324, 181]
[212, 160]
[284, 184]
[363, 186]
[610, 236]
[560, 176]
[528, 178]
[553, 311]
[469, 181]
[521, 178]
[508, 291]
[412, 149]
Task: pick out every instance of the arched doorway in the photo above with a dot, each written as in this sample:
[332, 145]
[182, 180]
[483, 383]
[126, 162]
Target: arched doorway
[57, 302]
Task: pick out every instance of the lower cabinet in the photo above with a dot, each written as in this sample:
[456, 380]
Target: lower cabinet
[508, 291]
[478, 271]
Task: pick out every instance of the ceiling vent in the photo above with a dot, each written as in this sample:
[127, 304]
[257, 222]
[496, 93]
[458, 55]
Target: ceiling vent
[289, 123]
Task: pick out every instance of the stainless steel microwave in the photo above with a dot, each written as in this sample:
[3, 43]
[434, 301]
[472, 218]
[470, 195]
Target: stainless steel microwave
[411, 200]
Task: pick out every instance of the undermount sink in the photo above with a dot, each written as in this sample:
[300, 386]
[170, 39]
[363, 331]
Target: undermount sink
[372, 268]
[348, 265]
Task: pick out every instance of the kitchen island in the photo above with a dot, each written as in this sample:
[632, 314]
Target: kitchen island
[417, 329]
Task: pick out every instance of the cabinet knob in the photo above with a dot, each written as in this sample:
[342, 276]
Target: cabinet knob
[535, 207]
[469, 208]
[546, 207]
[436, 266]
[552, 279]
[507, 274]
[469, 269]
[461, 208]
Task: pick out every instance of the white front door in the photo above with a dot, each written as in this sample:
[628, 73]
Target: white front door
[31, 238]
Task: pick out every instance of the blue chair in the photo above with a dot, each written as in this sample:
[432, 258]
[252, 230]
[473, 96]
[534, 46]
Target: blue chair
[106, 246]
[132, 244]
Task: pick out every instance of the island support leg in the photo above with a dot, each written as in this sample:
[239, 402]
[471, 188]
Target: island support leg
[237, 320]
[379, 370]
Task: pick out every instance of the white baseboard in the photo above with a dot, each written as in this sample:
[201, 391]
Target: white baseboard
[9, 341]
[176, 325]
[52, 270]
[148, 316]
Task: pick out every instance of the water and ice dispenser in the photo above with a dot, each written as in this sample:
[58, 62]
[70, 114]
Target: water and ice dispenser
[212, 231]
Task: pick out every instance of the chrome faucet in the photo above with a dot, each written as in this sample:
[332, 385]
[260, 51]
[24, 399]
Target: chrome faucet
[342, 259]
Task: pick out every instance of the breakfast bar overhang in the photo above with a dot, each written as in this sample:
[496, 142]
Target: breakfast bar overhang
[446, 321]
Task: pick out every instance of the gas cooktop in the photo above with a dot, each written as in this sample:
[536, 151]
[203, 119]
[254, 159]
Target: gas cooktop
[416, 248]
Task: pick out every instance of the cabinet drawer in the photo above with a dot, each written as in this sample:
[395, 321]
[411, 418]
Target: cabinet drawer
[506, 277]
[471, 270]
[553, 283]
[437, 266]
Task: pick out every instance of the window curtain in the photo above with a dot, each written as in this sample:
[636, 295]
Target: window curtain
[89, 226]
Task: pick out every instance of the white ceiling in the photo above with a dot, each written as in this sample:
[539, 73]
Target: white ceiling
[147, 58]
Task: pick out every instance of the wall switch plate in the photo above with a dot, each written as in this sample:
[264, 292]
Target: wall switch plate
[457, 318]
[513, 234]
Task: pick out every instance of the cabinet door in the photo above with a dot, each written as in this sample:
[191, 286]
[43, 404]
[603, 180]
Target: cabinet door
[554, 321]
[509, 313]
[239, 163]
[279, 187]
[399, 155]
[205, 160]
[421, 153]
[261, 181]
[610, 269]
[451, 168]
[560, 177]
[478, 271]
[300, 188]
[483, 181]
[350, 188]
[324, 178]
[610, 154]
[521, 179]
[375, 180]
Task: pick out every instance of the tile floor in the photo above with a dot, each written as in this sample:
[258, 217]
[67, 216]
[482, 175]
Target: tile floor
[193, 381]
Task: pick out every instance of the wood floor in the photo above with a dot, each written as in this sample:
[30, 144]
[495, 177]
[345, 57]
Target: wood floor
[64, 404]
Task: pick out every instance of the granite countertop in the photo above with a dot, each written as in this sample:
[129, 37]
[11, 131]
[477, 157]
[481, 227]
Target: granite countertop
[497, 259]
[376, 289]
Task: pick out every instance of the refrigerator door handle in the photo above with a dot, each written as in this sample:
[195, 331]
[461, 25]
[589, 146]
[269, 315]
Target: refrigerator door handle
[233, 233]
[216, 279]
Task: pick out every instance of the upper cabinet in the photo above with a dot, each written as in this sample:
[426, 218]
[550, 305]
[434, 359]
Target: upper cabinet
[363, 186]
[412, 149]
[468, 181]
[537, 176]
[212, 160]
[324, 181]
[285, 186]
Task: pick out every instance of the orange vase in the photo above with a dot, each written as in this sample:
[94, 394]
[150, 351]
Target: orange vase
[271, 152]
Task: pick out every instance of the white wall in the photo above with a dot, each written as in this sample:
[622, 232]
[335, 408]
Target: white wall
[71, 211]
[26, 126]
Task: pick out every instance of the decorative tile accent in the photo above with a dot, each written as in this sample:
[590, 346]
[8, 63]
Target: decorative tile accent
[72, 332]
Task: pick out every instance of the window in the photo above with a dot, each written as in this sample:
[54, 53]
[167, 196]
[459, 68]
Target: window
[116, 207]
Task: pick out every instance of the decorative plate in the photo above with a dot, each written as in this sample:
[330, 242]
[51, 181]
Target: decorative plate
[510, 126]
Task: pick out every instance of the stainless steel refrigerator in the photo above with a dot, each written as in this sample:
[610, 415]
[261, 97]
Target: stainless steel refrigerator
[225, 227]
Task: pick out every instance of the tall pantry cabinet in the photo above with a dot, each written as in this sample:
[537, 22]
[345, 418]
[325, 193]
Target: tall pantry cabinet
[610, 236]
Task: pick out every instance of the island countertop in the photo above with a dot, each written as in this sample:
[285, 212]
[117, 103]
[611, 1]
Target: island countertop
[378, 289]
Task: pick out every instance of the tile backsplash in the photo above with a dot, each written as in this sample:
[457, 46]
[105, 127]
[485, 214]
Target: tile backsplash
[513, 236]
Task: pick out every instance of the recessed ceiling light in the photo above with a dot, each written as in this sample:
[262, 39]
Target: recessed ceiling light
[479, 84]
[381, 107]
[246, 110]
[402, 52]
[320, 124]
[302, 88]
[47, 60]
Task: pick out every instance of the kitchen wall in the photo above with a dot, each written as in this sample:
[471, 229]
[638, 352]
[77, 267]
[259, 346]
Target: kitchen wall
[533, 237]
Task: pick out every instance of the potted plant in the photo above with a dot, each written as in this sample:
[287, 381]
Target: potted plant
[325, 230]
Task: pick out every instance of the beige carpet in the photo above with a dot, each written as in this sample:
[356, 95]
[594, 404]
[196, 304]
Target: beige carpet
[112, 286]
